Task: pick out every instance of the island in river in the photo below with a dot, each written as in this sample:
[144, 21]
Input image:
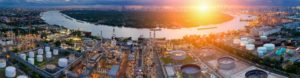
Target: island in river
[148, 19]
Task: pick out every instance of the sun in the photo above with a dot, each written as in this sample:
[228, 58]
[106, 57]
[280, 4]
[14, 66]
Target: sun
[204, 8]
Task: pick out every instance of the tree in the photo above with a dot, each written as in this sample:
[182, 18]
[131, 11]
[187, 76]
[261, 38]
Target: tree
[57, 43]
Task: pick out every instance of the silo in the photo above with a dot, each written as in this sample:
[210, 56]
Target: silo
[256, 74]
[2, 62]
[31, 54]
[39, 58]
[40, 51]
[22, 76]
[48, 54]
[10, 72]
[31, 60]
[226, 63]
[269, 46]
[191, 71]
[63, 62]
[250, 47]
[23, 56]
[55, 52]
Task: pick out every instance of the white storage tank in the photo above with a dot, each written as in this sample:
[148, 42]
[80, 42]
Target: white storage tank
[261, 53]
[23, 56]
[263, 49]
[269, 46]
[2, 62]
[48, 55]
[40, 51]
[31, 54]
[244, 39]
[63, 62]
[39, 58]
[22, 76]
[47, 49]
[250, 46]
[31, 60]
[251, 41]
[55, 52]
[10, 72]
[243, 43]
[263, 37]
[236, 41]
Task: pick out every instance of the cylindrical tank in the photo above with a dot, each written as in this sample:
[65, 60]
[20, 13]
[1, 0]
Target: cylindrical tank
[39, 58]
[236, 41]
[50, 68]
[263, 37]
[251, 41]
[40, 51]
[55, 52]
[31, 54]
[2, 62]
[263, 49]
[22, 76]
[256, 74]
[62, 62]
[261, 53]
[226, 63]
[10, 72]
[250, 46]
[269, 46]
[191, 71]
[243, 43]
[47, 49]
[244, 39]
[48, 54]
[23, 56]
[31, 60]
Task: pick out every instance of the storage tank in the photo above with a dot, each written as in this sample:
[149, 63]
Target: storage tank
[47, 49]
[243, 43]
[2, 62]
[22, 76]
[263, 49]
[41, 51]
[261, 53]
[51, 68]
[48, 54]
[236, 41]
[263, 37]
[31, 54]
[251, 41]
[10, 72]
[63, 62]
[190, 71]
[178, 54]
[23, 56]
[226, 63]
[31, 60]
[256, 74]
[39, 58]
[244, 39]
[55, 52]
[269, 46]
[250, 47]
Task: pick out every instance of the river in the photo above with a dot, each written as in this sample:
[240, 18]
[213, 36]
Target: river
[58, 18]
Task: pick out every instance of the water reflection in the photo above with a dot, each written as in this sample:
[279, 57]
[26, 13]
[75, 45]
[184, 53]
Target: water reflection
[57, 18]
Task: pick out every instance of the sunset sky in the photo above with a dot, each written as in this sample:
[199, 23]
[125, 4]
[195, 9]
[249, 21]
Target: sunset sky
[144, 2]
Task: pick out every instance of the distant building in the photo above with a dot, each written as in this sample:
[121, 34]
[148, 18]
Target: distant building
[170, 71]
[265, 30]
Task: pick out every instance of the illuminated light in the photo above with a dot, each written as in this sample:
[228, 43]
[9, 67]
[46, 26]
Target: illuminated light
[204, 8]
